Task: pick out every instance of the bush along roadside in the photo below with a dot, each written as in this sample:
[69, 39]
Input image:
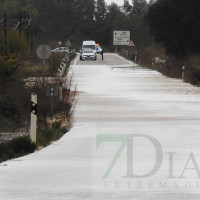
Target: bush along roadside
[16, 147]
[155, 58]
[45, 136]
[21, 146]
[50, 127]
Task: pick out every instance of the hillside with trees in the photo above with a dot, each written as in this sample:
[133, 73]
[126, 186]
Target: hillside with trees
[21, 74]
[60, 20]
[175, 25]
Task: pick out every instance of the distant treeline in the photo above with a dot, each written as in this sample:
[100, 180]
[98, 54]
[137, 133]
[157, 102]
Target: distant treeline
[174, 25]
[60, 20]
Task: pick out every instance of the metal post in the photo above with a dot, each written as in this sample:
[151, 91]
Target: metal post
[20, 23]
[60, 89]
[27, 32]
[43, 61]
[33, 128]
[5, 29]
[135, 56]
[27, 29]
[183, 72]
[31, 39]
[52, 101]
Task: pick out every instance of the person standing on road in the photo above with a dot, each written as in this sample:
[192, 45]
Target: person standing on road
[101, 52]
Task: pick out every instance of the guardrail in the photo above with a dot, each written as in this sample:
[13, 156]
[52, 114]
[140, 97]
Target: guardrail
[72, 52]
[64, 62]
[63, 70]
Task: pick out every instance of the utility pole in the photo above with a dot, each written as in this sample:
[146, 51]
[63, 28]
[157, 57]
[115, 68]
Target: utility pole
[27, 32]
[31, 39]
[5, 28]
[5, 33]
[43, 61]
[20, 23]
[27, 29]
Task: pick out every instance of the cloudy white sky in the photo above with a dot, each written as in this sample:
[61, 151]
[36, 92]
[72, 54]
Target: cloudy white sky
[119, 2]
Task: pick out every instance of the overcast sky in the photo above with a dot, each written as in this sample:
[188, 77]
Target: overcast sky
[119, 2]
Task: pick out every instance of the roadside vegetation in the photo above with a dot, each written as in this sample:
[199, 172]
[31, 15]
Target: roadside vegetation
[20, 75]
[165, 35]
[174, 27]
[16, 147]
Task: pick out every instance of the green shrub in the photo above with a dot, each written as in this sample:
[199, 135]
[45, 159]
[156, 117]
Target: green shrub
[17, 147]
[5, 152]
[63, 130]
[22, 145]
[56, 125]
[15, 43]
[9, 108]
[10, 113]
[45, 136]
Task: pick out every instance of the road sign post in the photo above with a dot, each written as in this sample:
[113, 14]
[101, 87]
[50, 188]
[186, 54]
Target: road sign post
[131, 44]
[121, 38]
[68, 43]
[33, 128]
[43, 52]
[52, 90]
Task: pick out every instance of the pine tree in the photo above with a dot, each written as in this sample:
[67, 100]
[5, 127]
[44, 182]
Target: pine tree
[85, 9]
[176, 26]
[139, 7]
[101, 10]
[127, 7]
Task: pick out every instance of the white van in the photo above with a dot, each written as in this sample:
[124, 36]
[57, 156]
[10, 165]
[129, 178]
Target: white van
[89, 44]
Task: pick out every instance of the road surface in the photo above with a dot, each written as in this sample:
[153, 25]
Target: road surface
[135, 135]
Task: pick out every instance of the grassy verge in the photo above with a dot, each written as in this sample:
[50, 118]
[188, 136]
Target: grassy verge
[48, 130]
[155, 58]
[21, 146]
[16, 147]
[46, 136]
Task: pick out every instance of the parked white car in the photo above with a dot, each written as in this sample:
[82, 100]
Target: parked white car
[88, 54]
[61, 49]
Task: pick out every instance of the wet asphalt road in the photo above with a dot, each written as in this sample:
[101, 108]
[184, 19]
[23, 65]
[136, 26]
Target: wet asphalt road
[135, 135]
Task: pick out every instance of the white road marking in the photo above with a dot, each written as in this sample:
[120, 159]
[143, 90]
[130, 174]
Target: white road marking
[124, 59]
[76, 60]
